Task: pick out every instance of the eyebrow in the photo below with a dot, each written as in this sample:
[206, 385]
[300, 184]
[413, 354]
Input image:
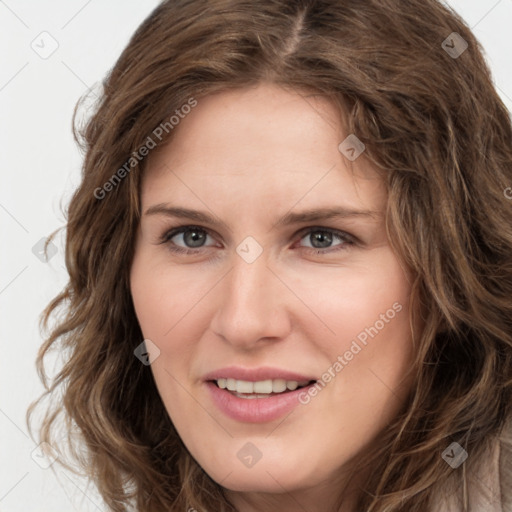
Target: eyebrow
[289, 218]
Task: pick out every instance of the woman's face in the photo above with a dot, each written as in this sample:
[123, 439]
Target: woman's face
[273, 293]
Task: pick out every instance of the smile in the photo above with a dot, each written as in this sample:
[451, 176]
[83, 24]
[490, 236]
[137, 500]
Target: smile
[259, 389]
[256, 407]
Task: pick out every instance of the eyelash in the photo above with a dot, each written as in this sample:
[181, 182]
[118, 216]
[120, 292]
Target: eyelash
[346, 238]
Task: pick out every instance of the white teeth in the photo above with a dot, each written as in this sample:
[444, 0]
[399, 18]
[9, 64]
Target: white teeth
[262, 387]
[244, 386]
[291, 385]
[279, 385]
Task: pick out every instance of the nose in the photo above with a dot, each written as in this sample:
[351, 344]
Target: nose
[254, 306]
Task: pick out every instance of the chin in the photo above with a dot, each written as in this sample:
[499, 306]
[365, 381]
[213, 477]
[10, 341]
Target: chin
[264, 478]
[260, 482]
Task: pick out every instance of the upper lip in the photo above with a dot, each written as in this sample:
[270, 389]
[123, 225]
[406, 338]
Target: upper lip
[256, 374]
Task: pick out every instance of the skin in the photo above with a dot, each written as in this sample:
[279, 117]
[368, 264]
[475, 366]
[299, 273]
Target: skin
[248, 157]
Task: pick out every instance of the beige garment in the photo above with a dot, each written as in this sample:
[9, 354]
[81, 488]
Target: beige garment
[489, 486]
[506, 472]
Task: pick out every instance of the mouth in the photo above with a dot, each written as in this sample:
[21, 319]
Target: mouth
[259, 389]
[257, 401]
[257, 395]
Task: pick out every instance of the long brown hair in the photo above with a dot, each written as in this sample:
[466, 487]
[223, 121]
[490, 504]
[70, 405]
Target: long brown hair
[435, 127]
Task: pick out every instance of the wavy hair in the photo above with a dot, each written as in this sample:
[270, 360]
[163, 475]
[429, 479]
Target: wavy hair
[433, 125]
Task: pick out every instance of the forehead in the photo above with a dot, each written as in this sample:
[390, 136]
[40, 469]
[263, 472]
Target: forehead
[265, 144]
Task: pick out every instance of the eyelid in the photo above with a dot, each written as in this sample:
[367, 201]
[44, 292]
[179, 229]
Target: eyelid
[347, 238]
[172, 232]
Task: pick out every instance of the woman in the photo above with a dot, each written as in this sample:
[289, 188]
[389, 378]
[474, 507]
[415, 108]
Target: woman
[290, 265]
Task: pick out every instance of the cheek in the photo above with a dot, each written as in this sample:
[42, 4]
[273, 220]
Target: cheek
[370, 353]
[377, 351]
[163, 296]
[164, 302]
[355, 301]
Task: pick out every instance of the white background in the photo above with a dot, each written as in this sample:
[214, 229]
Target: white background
[40, 166]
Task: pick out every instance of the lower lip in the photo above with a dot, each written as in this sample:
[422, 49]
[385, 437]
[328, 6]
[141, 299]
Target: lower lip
[255, 410]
